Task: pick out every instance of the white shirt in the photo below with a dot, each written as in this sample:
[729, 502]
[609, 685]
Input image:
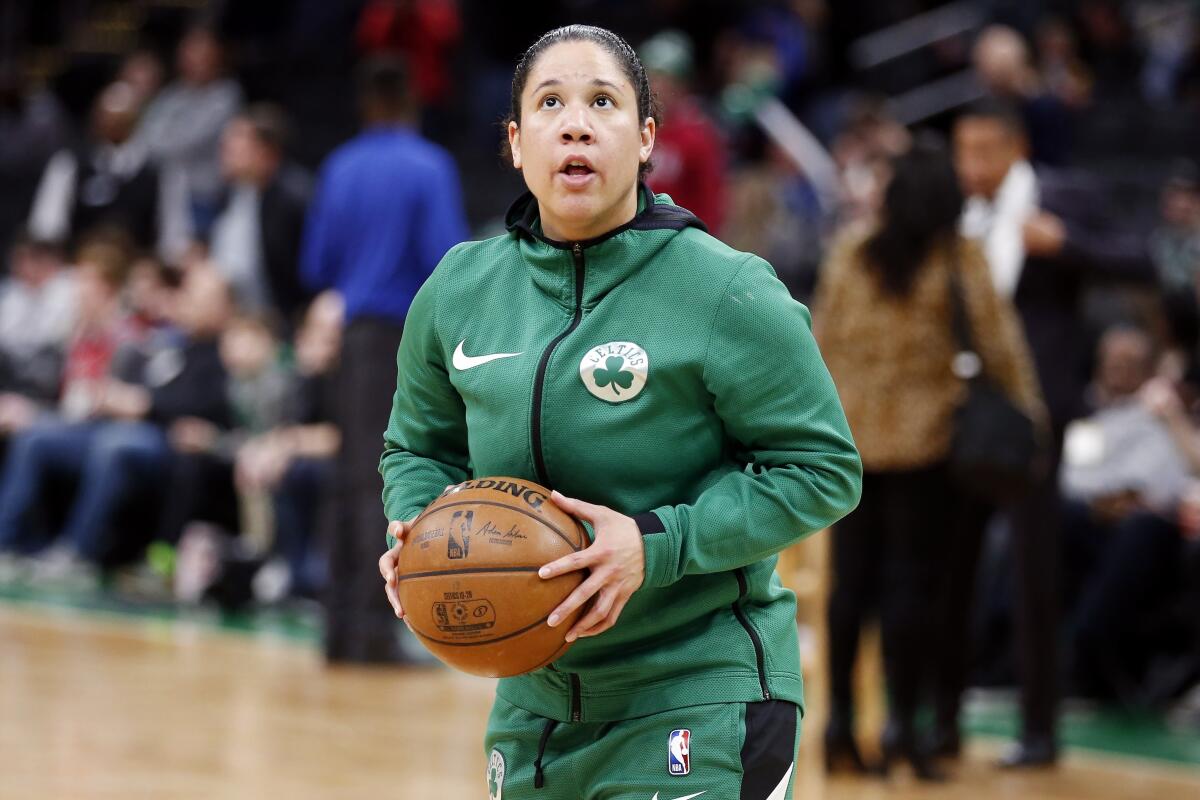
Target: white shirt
[236, 248]
[999, 223]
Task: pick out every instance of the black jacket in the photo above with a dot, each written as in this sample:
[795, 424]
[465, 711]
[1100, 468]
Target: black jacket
[1050, 292]
[283, 208]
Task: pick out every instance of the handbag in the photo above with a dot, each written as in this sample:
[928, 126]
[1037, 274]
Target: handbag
[994, 450]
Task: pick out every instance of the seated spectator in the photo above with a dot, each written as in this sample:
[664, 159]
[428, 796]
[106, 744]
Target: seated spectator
[99, 330]
[295, 462]
[122, 449]
[1175, 249]
[255, 241]
[280, 456]
[1126, 469]
[37, 312]
[108, 180]
[200, 479]
[182, 127]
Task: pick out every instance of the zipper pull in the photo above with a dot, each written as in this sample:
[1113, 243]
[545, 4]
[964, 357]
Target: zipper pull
[577, 249]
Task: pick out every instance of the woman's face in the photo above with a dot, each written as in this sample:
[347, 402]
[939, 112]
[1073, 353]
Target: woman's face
[580, 141]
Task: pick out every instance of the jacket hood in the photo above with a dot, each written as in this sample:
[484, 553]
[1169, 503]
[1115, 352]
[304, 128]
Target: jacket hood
[610, 257]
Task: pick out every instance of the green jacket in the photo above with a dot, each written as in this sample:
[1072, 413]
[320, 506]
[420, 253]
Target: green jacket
[656, 371]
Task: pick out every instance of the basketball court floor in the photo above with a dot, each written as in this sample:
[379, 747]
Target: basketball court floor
[94, 707]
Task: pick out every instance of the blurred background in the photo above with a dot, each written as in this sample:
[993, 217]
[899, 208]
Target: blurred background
[186, 514]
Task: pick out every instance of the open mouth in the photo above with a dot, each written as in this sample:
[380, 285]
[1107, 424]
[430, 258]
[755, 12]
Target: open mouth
[577, 169]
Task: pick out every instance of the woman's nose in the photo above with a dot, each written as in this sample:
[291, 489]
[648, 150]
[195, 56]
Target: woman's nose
[577, 127]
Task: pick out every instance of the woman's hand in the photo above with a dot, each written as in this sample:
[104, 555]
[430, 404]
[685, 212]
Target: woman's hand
[617, 562]
[389, 561]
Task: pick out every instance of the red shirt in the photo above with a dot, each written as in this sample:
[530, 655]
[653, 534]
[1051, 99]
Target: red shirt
[689, 163]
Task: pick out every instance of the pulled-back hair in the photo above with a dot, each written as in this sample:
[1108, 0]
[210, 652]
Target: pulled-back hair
[626, 58]
[921, 208]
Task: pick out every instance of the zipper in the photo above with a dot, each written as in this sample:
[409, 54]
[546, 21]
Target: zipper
[535, 417]
[740, 613]
[576, 706]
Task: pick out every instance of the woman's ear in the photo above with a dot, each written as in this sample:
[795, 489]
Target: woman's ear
[648, 131]
[514, 144]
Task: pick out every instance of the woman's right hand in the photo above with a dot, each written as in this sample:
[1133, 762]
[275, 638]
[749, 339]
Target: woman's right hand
[389, 561]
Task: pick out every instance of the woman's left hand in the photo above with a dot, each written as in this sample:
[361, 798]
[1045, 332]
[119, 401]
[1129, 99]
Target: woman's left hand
[617, 562]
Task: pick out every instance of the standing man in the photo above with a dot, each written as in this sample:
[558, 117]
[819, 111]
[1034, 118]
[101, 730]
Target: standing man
[1047, 237]
[387, 208]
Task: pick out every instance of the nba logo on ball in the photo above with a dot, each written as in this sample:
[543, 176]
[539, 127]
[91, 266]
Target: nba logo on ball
[679, 748]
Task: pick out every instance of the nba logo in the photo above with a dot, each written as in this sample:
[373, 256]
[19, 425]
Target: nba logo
[679, 747]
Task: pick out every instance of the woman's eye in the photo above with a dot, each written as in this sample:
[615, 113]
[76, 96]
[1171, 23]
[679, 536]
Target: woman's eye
[604, 102]
[550, 102]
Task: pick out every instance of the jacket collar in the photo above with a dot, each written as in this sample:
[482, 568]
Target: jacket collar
[610, 258]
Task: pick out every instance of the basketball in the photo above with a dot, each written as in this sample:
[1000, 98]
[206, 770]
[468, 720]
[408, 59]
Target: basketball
[468, 576]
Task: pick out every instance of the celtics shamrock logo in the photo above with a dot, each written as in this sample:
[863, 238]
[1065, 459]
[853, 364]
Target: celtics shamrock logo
[612, 373]
[615, 372]
[495, 775]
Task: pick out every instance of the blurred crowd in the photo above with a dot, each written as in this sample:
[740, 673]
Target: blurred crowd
[193, 224]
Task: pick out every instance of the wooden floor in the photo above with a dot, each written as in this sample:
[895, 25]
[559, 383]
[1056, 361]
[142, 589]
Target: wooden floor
[94, 709]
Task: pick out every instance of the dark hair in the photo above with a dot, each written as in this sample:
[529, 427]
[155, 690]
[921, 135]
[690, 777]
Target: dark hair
[921, 208]
[269, 122]
[383, 84]
[626, 58]
[996, 110]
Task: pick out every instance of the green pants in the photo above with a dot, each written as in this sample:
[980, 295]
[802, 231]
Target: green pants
[726, 751]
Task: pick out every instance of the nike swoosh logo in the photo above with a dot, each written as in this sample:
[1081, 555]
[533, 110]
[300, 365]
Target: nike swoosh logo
[462, 361]
[688, 797]
[781, 790]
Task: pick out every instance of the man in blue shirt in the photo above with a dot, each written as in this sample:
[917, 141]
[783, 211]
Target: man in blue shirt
[387, 208]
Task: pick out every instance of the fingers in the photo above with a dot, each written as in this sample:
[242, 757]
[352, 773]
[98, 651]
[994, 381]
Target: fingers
[596, 615]
[394, 598]
[578, 508]
[583, 592]
[571, 563]
[620, 598]
[398, 529]
[387, 565]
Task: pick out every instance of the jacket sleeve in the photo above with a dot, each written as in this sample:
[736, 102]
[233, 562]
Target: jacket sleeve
[999, 337]
[783, 422]
[425, 446]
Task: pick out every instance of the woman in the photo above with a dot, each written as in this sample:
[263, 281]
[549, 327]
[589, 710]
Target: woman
[669, 390]
[883, 312]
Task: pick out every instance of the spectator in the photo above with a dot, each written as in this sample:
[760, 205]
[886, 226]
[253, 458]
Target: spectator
[424, 33]
[1003, 65]
[387, 208]
[775, 213]
[37, 312]
[883, 317]
[1060, 69]
[123, 449]
[33, 127]
[295, 462]
[689, 152]
[1175, 249]
[183, 126]
[143, 71]
[97, 332]
[107, 181]
[255, 240]
[200, 482]
[1126, 470]
[1047, 237]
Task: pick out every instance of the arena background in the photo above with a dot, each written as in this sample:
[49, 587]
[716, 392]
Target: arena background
[195, 668]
